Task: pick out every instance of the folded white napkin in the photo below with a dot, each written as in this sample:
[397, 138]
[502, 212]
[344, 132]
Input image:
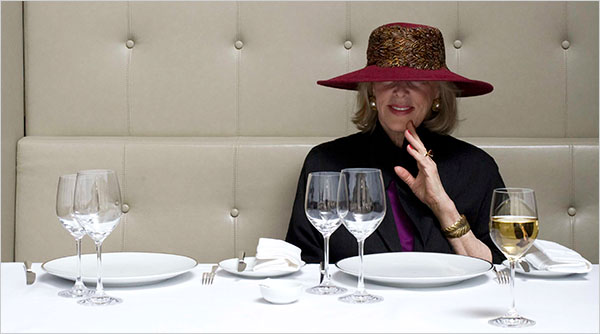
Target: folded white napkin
[548, 255]
[275, 254]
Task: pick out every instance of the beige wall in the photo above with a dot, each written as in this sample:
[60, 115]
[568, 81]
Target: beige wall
[12, 116]
[232, 70]
[184, 66]
[182, 192]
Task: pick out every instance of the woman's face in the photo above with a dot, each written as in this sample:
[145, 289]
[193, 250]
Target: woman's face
[399, 102]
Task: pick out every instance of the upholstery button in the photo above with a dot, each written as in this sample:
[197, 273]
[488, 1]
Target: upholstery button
[565, 44]
[130, 43]
[457, 44]
[234, 212]
[238, 44]
[572, 211]
[125, 208]
[348, 45]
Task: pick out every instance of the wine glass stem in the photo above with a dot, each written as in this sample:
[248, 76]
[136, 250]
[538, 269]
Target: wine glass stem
[99, 287]
[513, 310]
[361, 276]
[78, 282]
[326, 277]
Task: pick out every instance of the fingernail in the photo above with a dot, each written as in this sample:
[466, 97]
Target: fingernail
[407, 130]
[410, 147]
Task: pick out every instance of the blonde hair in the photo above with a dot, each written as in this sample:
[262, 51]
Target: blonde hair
[442, 121]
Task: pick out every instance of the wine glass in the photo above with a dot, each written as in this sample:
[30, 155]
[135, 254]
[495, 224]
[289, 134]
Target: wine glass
[320, 206]
[513, 228]
[97, 208]
[361, 204]
[64, 212]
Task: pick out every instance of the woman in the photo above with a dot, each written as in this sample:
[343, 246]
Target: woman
[407, 107]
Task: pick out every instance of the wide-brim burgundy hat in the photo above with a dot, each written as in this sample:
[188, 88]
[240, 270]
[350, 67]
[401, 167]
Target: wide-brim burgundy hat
[407, 52]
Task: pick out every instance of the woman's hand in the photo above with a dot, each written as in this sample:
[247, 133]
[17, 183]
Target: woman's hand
[427, 185]
[428, 188]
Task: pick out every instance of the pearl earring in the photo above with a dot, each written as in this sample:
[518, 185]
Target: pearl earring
[372, 103]
[436, 105]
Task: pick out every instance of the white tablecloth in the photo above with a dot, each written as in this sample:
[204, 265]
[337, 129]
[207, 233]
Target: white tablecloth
[234, 304]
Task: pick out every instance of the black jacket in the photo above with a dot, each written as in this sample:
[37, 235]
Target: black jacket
[468, 175]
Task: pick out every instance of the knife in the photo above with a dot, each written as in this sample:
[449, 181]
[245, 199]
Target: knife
[241, 263]
[525, 265]
[29, 273]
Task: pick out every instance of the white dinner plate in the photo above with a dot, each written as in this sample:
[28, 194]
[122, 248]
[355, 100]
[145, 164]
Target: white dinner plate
[535, 272]
[122, 268]
[230, 266]
[416, 269]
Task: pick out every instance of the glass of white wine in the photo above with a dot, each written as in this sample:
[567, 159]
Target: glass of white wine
[513, 228]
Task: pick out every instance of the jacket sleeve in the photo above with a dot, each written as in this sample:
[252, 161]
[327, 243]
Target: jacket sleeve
[481, 223]
[300, 231]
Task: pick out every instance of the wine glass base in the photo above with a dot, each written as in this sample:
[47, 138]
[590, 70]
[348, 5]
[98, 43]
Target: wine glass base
[511, 321]
[100, 300]
[76, 292]
[361, 298]
[326, 290]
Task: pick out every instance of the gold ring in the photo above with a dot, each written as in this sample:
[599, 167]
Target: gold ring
[428, 154]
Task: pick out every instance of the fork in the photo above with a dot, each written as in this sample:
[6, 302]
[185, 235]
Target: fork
[208, 277]
[502, 276]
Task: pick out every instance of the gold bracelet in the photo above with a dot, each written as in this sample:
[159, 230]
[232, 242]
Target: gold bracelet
[458, 229]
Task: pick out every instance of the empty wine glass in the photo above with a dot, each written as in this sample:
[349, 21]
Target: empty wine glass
[97, 208]
[320, 206]
[361, 201]
[513, 228]
[64, 212]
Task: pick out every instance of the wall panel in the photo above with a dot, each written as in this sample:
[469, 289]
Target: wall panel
[180, 202]
[76, 68]
[585, 200]
[12, 117]
[288, 46]
[582, 69]
[183, 68]
[516, 46]
[41, 160]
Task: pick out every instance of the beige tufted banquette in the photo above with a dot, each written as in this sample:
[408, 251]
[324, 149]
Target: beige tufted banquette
[207, 109]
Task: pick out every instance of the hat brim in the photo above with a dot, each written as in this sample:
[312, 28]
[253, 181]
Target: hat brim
[375, 73]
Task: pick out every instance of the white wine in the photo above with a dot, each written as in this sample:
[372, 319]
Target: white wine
[514, 235]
